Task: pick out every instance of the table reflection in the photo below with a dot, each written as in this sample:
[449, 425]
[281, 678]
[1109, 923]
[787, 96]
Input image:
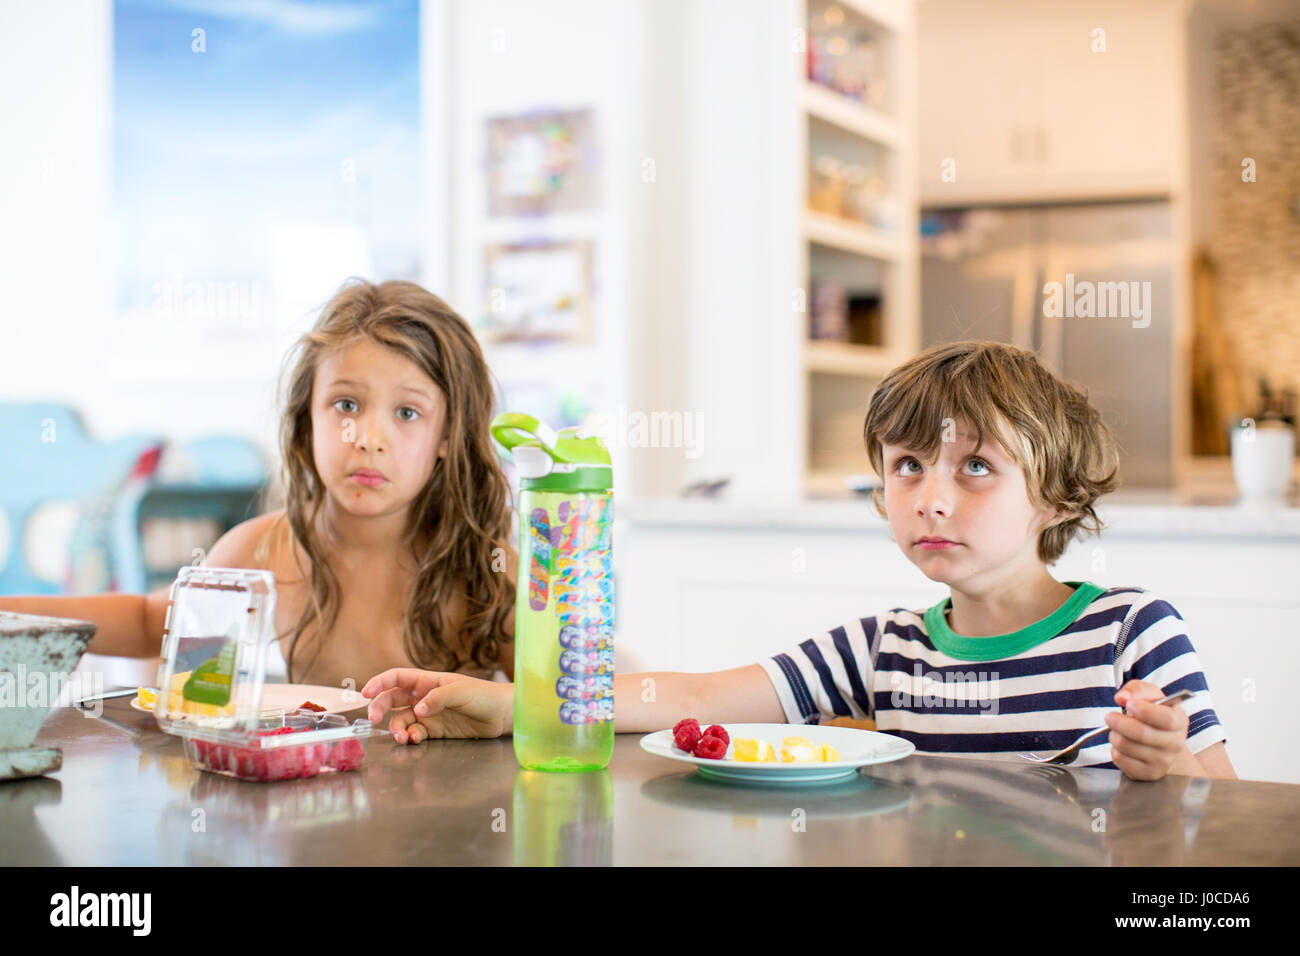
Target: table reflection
[563, 819]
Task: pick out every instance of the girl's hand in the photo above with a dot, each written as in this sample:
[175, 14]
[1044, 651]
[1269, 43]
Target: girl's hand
[445, 705]
[1147, 741]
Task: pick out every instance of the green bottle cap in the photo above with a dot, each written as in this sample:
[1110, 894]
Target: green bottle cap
[572, 459]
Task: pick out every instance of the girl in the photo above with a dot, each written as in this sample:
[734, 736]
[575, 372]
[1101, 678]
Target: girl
[392, 548]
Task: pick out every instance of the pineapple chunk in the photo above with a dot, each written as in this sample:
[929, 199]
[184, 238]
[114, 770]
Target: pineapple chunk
[753, 751]
[803, 750]
[147, 697]
[799, 750]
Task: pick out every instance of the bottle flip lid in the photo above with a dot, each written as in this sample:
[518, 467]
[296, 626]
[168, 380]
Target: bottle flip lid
[572, 459]
[219, 625]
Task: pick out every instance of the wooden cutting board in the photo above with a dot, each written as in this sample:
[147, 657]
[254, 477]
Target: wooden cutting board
[1218, 395]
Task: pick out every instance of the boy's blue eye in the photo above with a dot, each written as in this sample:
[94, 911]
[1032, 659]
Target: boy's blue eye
[976, 462]
[344, 410]
[408, 408]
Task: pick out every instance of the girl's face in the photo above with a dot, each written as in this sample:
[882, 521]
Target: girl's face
[973, 497]
[377, 426]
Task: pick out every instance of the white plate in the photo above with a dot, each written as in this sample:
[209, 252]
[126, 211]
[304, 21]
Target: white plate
[857, 748]
[335, 700]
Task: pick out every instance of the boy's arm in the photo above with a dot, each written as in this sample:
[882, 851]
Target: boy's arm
[647, 702]
[1214, 759]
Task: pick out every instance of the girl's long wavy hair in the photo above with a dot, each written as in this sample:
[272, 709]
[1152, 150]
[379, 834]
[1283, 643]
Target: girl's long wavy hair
[458, 519]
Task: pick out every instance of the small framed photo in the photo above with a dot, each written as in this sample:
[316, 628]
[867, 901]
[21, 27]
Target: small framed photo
[538, 292]
[541, 163]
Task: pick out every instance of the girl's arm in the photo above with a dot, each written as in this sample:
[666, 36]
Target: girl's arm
[131, 625]
[127, 625]
[453, 705]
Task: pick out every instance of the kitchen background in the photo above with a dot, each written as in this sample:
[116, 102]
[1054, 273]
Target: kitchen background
[706, 228]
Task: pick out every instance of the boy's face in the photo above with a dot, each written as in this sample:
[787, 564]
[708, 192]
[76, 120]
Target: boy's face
[973, 497]
[374, 410]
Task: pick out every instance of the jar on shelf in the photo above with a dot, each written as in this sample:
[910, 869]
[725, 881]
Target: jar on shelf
[855, 177]
[873, 201]
[828, 314]
[826, 186]
[871, 71]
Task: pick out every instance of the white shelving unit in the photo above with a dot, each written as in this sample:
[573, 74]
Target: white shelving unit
[838, 376]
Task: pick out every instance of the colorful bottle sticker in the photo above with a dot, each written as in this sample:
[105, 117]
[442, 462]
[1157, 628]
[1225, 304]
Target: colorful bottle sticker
[585, 688]
[539, 574]
[587, 712]
[583, 584]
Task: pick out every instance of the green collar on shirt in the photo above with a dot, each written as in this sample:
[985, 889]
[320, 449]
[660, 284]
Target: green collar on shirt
[1008, 645]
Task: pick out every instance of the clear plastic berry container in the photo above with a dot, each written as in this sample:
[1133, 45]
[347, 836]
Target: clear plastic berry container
[219, 628]
[300, 744]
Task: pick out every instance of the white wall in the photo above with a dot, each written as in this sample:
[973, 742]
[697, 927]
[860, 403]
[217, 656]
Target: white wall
[694, 269]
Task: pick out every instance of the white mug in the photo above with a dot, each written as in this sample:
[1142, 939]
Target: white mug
[1261, 460]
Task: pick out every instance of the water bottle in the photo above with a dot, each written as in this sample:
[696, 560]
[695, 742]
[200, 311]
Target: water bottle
[564, 604]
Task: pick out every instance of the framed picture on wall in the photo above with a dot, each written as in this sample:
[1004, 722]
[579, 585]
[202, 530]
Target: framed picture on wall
[541, 163]
[537, 291]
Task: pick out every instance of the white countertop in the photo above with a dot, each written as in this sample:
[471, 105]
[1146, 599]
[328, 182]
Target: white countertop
[1133, 512]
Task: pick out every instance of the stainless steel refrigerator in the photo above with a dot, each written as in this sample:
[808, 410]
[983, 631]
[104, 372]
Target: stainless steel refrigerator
[1087, 287]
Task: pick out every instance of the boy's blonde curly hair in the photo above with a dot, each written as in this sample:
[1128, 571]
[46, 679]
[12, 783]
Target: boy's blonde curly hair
[1046, 426]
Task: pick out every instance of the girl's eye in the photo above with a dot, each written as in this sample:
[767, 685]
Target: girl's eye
[408, 408]
[347, 401]
[903, 461]
[979, 463]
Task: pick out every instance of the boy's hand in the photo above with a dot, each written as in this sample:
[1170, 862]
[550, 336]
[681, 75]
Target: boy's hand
[445, 705]
[1150, 738]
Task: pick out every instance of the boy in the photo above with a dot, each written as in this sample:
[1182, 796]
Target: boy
[991, 466]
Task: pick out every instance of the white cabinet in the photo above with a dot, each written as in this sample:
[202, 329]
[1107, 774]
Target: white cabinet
[1025, 101]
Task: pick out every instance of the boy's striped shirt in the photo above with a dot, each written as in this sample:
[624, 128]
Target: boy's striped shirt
[1036, 690]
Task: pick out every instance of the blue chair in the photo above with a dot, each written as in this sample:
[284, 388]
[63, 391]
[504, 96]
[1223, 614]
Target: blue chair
[49, 457]
[224, 480]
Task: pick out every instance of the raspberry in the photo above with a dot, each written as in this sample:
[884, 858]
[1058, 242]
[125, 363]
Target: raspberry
[311, 759]
[716, 730]
[686, 734]
[686, 738]
[711, 748]
[257, 765]
[347, 755]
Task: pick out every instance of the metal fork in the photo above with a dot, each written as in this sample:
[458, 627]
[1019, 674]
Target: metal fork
[1069, 753]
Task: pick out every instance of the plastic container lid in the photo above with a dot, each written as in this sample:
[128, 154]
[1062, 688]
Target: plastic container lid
[214, 649]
